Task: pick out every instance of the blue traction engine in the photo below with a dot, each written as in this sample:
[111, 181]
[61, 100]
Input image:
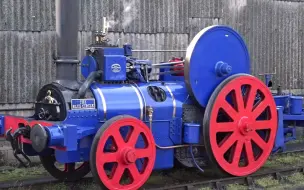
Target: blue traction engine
[120, 124]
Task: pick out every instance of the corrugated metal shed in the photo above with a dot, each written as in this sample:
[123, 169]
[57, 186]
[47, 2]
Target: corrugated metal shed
[273, 31]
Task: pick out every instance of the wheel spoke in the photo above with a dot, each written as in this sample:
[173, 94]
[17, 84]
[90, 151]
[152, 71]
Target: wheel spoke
[229, 109]
[143, 153]
[226, 144]
[118, 139]
[239, 99]
[118, 174]
[249, 152]
[133, 137]
[108, 157]
[134, 172]
[250, 96]
[259, 109]
[225, 127]
[258, 140]
[237, 153]
[263, 124]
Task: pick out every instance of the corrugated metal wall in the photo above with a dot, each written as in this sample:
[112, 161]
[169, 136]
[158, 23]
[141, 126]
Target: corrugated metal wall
[273, 31]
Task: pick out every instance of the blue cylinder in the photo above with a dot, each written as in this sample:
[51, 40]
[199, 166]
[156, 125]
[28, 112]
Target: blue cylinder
[191, 133]
[296, 105]
[281, 101]
[56, 136]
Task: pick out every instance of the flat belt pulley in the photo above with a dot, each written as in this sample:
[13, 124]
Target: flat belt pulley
[214, 54]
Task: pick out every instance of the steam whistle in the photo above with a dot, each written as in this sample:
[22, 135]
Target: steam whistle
[100, 37]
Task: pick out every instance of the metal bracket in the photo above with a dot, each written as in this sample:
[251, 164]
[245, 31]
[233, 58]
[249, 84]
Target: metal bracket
[16, 144]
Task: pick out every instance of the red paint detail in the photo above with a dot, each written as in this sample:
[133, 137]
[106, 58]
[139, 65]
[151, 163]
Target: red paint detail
[178, 67]
[126, 155]
[58, 148]
[244, 127]
[12, 122]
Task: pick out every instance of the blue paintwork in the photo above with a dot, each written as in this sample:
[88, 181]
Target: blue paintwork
[115, 68]
[267, 79]
[191, 133]
[296, 103]
[167, 122]
[207, 54]
[290, 114]
[2, 125]
[170, 77]
[222, 69]
[281, 100]
[127, 49]
[88, 65]
[279, 142]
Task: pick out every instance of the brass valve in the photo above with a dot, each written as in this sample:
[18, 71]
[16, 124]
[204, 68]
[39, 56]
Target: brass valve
[150, 113]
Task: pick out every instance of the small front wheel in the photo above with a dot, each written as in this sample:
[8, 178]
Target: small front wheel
[69, 172]
[123, 153]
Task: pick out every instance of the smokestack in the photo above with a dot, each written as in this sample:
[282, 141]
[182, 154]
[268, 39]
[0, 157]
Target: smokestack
[67, 36]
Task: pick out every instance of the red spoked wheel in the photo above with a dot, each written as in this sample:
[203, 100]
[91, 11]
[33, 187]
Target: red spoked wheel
[240, 125]
[123, 153]
[65, 172]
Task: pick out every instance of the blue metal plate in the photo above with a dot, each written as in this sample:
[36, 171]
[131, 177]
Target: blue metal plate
[214, 54]
[84, 104]
[88, 65]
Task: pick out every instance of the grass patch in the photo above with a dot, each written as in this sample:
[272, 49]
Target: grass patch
[267, 181]
[23, 173]
[286, 160]
[236, 187]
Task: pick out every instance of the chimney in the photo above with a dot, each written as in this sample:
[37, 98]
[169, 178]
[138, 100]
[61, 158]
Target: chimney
[67, 17]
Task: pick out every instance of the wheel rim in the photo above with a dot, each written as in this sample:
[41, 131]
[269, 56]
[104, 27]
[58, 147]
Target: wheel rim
[123, 154]
[67, 171]
[242, 125]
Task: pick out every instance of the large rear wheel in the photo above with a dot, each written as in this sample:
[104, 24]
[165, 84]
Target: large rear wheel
[240, 125]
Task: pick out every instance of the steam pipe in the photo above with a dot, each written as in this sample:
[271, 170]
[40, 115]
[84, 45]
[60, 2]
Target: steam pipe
[169, 63]
[87, 83]
[67, 12]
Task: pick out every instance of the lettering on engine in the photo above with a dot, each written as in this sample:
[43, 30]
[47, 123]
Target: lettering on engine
[77, 104]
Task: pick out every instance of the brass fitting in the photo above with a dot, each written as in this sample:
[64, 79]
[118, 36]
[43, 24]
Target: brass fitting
[150, 113]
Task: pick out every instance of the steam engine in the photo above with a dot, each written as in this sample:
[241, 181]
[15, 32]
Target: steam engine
[118, 123]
